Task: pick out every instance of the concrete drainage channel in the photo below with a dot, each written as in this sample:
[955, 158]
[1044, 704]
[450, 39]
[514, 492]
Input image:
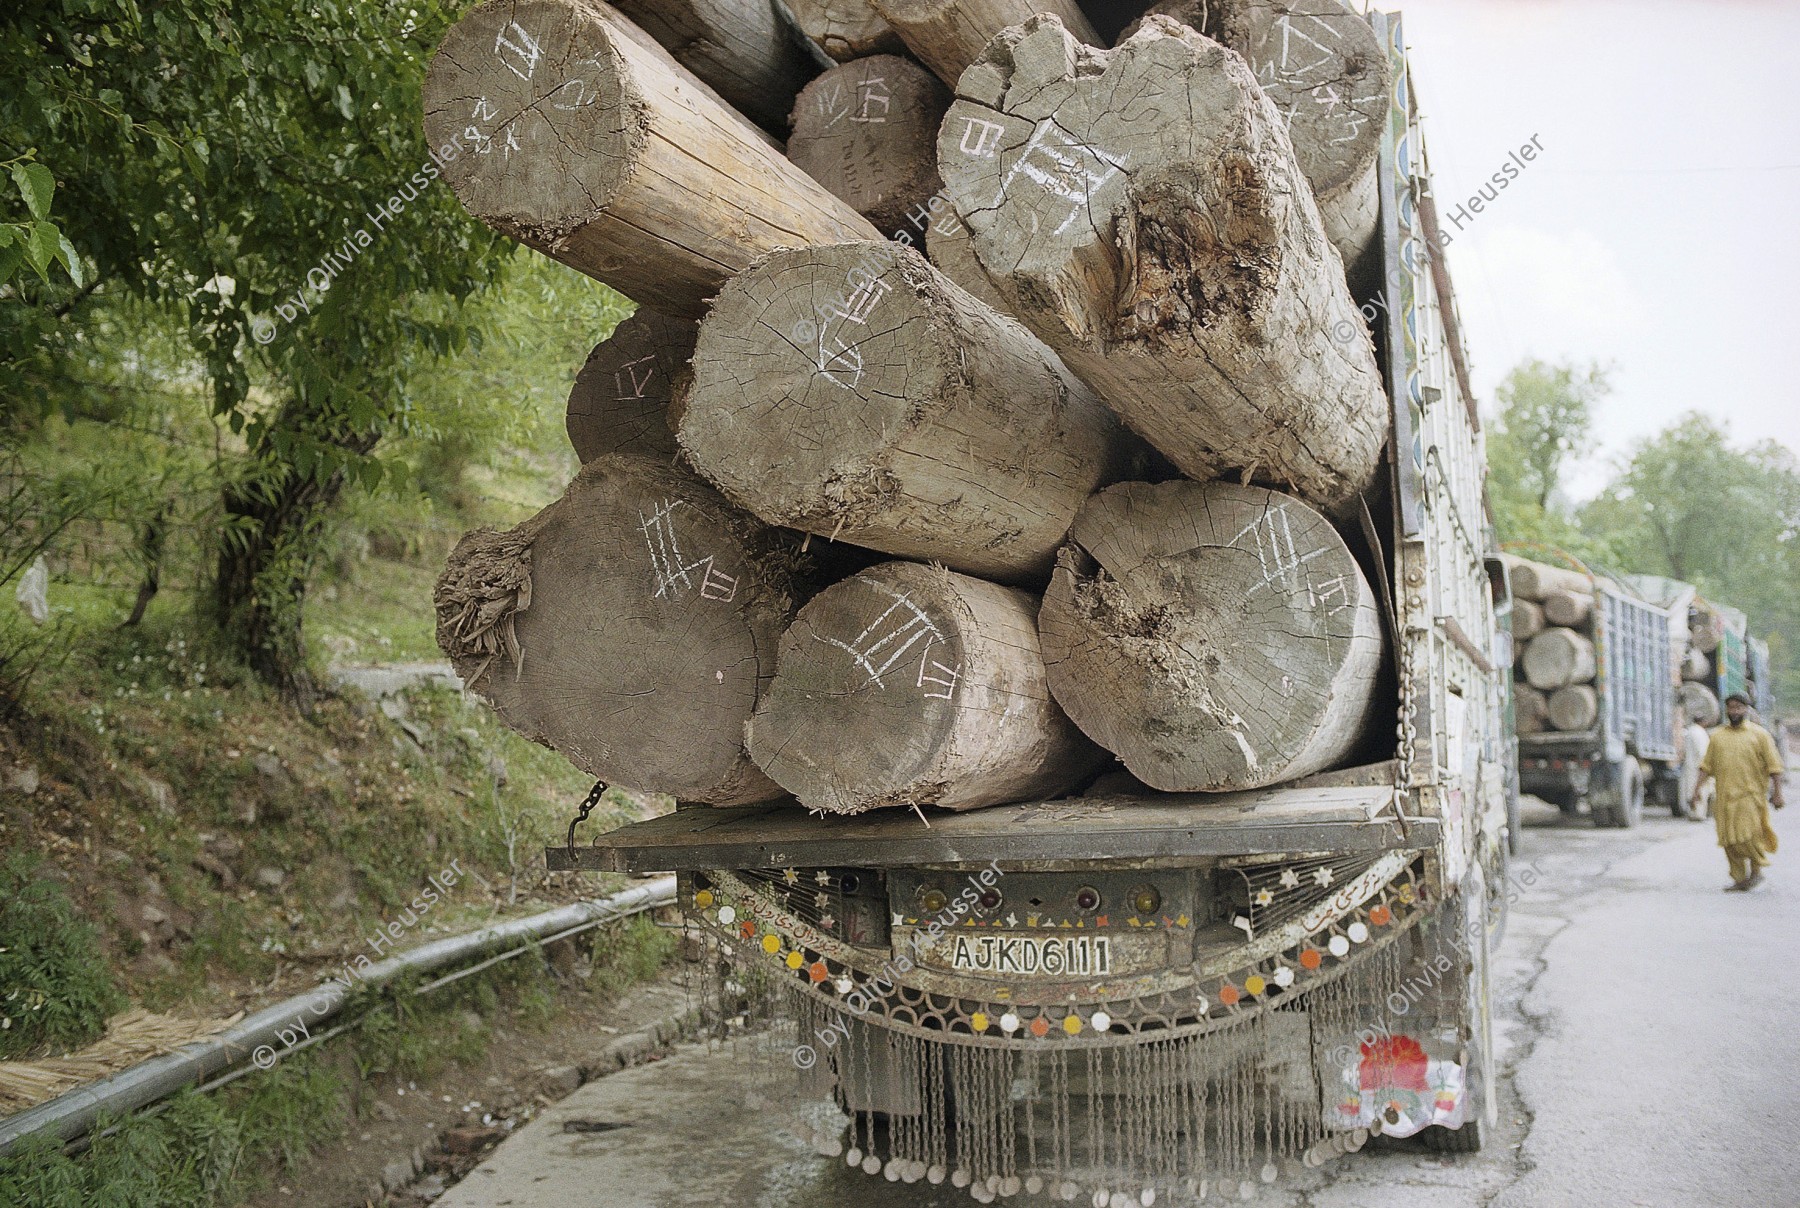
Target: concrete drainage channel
[429, 1170]
[216, 1060]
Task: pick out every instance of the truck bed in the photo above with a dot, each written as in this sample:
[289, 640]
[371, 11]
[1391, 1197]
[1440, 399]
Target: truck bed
[1106, 828]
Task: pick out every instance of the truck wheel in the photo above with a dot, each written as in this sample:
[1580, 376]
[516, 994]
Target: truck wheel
[1630, 810]
[1466, 1139]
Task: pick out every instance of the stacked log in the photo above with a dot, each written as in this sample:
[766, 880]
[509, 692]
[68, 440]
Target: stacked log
[621, 398]
[631, 626]
[910, 684]
[844, 29]
[1178, 267]
[744, 51]
[857, 393]
[867, 130]
[565, 126]
[796, 398]
[948, 35]
[1557, 658]
[1214, 636]
[1322, 67]
[1527, 621]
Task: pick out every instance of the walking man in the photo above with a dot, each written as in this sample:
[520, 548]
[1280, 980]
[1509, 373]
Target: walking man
[1741, 757]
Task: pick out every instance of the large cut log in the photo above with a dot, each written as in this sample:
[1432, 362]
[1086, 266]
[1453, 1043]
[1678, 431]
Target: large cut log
[1706, 627]
[867, 130]
[1700, 703]
[744, 51]
[1695, 666]
[630, 625]
[563, 125]
[1573, 707]
[1215, 636]
[844, 29]
[947, 245]
[620, 401]
[1531, 710]
[1536, 580]
[1176, 263]
[1327, 74]
[856, 392]
[1558, 657]
[1571, 609]
[948, 35]
[1527, 622]
[910, 684]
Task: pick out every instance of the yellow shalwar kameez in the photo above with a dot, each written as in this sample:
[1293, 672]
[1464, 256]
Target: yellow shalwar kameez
[1741, 759]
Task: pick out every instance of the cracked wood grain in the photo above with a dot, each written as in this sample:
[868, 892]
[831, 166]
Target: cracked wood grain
[1141, 210]
[577, 134]
[910, 684]
[1214, 636]
[630, 626]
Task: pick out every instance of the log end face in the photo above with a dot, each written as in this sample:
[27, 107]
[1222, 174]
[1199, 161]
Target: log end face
[622, 398]
[629, 626]
[1184, 632]
[799, 428]
[531, 112]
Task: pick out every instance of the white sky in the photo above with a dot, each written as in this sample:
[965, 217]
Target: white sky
[1658, 230]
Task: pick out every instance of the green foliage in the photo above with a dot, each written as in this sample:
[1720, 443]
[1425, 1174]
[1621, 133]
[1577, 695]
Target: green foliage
[35, 240]
[1691, 506]
[56, 991]
[1545, 422]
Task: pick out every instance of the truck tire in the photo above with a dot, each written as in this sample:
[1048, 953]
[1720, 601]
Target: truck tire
[1466, 1139]
[1621, 803]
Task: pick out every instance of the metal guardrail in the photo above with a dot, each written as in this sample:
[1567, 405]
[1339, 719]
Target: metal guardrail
[226, 1055]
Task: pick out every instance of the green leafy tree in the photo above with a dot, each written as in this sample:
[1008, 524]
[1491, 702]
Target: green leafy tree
[261, 170]
[1545, 422]
[1690, 505]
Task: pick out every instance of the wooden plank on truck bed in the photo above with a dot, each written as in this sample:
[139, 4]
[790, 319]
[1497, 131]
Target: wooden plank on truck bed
[1106, 828]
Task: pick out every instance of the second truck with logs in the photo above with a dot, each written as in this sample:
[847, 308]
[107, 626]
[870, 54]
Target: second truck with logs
[1077, 659]
[1599, 730]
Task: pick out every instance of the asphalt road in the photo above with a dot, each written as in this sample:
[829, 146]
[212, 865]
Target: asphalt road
[1646, 1029]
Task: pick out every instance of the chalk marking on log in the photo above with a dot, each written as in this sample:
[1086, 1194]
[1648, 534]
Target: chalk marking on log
[529, 53]
[668, 566]
[948, 685]
[629, 370]
[915, 628]
[1066, 178]
[867, 89]
[985, 142]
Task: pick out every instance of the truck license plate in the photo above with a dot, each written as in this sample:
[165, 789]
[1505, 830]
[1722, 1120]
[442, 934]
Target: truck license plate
[1039, 954]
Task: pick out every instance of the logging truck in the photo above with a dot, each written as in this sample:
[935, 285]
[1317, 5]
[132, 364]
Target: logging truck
[1599, 728]
[989, 961]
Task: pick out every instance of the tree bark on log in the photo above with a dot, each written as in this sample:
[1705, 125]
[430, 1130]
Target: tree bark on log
[948, 247]
[1535, 581]
[1558, 657]
[867, 130]
[844, 29]
[1695, 666]
[563, 125]
[948, 35]
[856, 392]
[1527, 623]
[910, 684]
[620, 401]
[630, 626]
[1531, 710]
[1214, 636]
[1327, 74]
[1178, 266]
[1573, 707]
[744, 51]
[1700, 703]
[1570, 609]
